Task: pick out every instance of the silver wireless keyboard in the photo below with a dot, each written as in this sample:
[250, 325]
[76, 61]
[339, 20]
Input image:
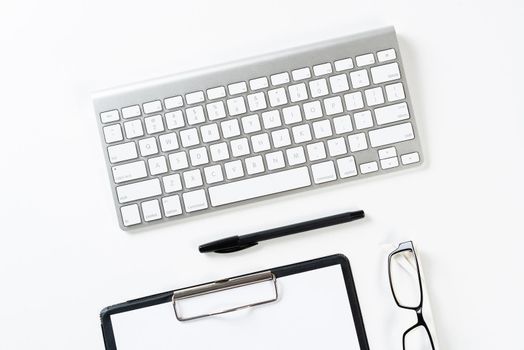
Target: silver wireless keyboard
[297, 119]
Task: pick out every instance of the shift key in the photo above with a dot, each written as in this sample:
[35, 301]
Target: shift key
[138, 190]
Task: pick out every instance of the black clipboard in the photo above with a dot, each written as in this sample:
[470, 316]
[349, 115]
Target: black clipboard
[267, 276]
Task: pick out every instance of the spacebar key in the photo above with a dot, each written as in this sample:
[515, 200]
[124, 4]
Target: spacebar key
[259, 186]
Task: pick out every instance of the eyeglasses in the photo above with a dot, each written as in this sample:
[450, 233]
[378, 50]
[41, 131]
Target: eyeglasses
[406, 286]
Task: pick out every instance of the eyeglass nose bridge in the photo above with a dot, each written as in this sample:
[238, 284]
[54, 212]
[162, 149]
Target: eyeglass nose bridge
[420, 316]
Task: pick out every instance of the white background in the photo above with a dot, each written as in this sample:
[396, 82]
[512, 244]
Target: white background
[63, 257]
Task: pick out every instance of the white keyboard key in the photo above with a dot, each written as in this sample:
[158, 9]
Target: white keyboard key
[251, 124]
[359, 78]
[280, 78]
[113, 133]
[260, 143]
[193, 178]
[175, 120]
[152, 107]
[157, 165]
[258, 83]
[301, 133]
[254, 165]
[239, 147]
[392, 113]
[217, 92]
[178, 161]
[172, 183]
[194, 201]
[322, 69]
[275, 160]
[357, 142]
[354, 101]
[312, 110]
[195, 97]
[151, 210]
[213, 174]
[337, 147]
[374, 96]
[173, 102]
[131, 112]
[259, 186]
[138, 190]
[281, 138]
[392, 134]
[237, 88]
[363, 120]
[256, 101]
[148, 146]
[389, 163]
[271, 119]
[323, 172]
[130, 215]
[189, 137]
[387, 153]
[295, 156]
[133, 129]
[171, 206]
[344, 64]
[292, 115]
[168, 142]
[386, 55]
[198, 156]
[322, 129]
[395, 92]
[316, 151]
[342, 124]
[129, 171]
[339, 83]
[216, 110]
[385, 73]
[195, 115]
[370, 167]
[122, 152]
[300, 74]
[219, 152]
[210, 132]
[365, 60]
[318, 88]
[236, 106]
[234, 169]
[109, 116]
[410, 158]
[277, 97]
[333, 105]
[346, 167]
[298, 92]
[230, 128]
[154, 124]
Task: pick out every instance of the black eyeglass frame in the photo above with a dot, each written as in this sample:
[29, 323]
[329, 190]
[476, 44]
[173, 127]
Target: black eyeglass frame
[421, 322]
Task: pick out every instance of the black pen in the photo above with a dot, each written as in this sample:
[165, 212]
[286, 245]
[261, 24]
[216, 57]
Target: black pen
[236, 243]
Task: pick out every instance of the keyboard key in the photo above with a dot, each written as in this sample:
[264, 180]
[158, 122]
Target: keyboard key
[173, 102]
[344, 64]
[370, 167]
[312, 110]
[298, 92]
[342, 124]
[210, 132]
[230, 128]
[138, 190]
[175, 120]
[239, 147]
[387, 153]
[301, 133]
[277, 97]
[333, 105]
[237, 88]
[359, 78]
[392, 134]
[152, 107]
[251, 124]
[363, 120]
[395, 92]
[236, 106]
[385, 73]
[322, 129]
[258, 83]
[316, 151]
[148, 146]
[189, 137]
[256, 101]
[168, 142]
[281, 138]
[130, 215]
[300, 74]
[109, 116]
[354, 101]
[318, 88]
[339, 83]
[122, 152]
[296, 156]
[217, 92]
[129, 171]
[389, 163]
[259, 186]
[219, 152]
[374, 96]
[131, 112]
[337, 147]
[280, 78]
[195, 97]
[234, 169]
[133, 129]
[365, 60]
[113, 133]
[260, 143]
[275, 160]
[157, 165]
[193, 178]
[410, 158]
[198, 156]
[194, 201]
[216, 110]
[172, 183]
[171, 206]
[154, 124]
[213, 174]
[271, 119]
[346, 167]
[393, 113]
[323, 172]
[178, 161]
[386, 55]
[254, 165]
[292, 115]
[151, 210]
[357, 142]
[322, 69]
[195, 115]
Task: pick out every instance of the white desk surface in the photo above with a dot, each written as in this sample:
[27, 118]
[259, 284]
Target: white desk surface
[63, 257]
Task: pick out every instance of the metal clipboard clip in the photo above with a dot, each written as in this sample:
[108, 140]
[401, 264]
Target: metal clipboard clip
[222, 286]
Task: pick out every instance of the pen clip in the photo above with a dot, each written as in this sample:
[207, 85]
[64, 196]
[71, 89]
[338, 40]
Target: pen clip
[236, 248]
